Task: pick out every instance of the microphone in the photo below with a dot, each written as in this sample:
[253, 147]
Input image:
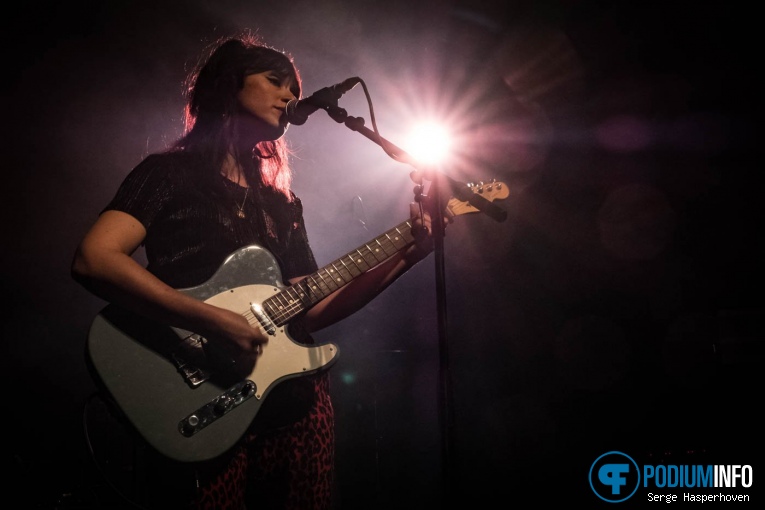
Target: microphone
[297, 111]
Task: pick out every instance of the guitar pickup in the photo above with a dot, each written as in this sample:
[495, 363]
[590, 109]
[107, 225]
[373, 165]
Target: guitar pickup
[217, 408]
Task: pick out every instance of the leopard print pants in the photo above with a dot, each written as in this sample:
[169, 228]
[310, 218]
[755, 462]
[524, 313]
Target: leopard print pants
[290, 468]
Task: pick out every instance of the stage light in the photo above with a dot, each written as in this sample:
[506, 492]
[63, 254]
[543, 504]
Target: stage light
[428, 143]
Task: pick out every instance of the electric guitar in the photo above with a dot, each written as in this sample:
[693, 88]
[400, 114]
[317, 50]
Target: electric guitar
[185, 406]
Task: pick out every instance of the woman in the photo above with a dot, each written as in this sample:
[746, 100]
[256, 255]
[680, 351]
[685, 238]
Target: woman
[226, 184]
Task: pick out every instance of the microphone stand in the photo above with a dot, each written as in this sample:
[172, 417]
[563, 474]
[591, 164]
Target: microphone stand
[462, 192]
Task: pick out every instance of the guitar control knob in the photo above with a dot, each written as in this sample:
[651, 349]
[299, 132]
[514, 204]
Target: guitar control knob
[189, 425]
[223, 405]
[248, 389]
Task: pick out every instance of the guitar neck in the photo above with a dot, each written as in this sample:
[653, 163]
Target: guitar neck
[300, 297]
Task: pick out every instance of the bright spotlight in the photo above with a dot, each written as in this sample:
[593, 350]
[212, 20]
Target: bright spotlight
[428, 143]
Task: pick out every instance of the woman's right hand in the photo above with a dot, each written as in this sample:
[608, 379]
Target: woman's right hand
[233, 344]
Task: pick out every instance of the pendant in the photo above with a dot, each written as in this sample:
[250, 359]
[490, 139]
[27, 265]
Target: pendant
[240, 213]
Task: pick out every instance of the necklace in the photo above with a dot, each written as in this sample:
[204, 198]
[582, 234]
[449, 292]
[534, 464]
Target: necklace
[240, 212]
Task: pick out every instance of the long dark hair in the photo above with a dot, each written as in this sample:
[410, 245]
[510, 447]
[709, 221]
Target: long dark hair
[211, 102]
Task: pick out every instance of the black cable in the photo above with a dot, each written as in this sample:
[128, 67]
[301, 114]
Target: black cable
[91, 450]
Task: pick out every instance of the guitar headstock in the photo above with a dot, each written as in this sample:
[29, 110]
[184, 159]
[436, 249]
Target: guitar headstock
[491, 191]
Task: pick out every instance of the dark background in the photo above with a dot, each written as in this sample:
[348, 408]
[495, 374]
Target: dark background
[617, 308]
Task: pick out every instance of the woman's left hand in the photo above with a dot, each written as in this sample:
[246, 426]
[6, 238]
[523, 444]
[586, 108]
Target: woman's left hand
[422, 230]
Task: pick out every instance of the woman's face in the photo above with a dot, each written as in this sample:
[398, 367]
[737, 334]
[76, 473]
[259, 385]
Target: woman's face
[263, 98]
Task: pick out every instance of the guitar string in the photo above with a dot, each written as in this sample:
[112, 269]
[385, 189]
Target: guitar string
[364, 252]
[295, 304]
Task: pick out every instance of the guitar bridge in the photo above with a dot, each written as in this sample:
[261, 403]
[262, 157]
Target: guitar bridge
[217, 408]
[189, 358]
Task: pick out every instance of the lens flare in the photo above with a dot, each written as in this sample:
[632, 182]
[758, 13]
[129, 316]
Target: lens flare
[428, 143]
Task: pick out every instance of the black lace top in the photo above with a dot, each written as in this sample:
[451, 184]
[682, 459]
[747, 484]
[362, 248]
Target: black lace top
[192, 227]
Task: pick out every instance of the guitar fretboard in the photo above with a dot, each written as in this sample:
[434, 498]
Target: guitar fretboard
[294, 300]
